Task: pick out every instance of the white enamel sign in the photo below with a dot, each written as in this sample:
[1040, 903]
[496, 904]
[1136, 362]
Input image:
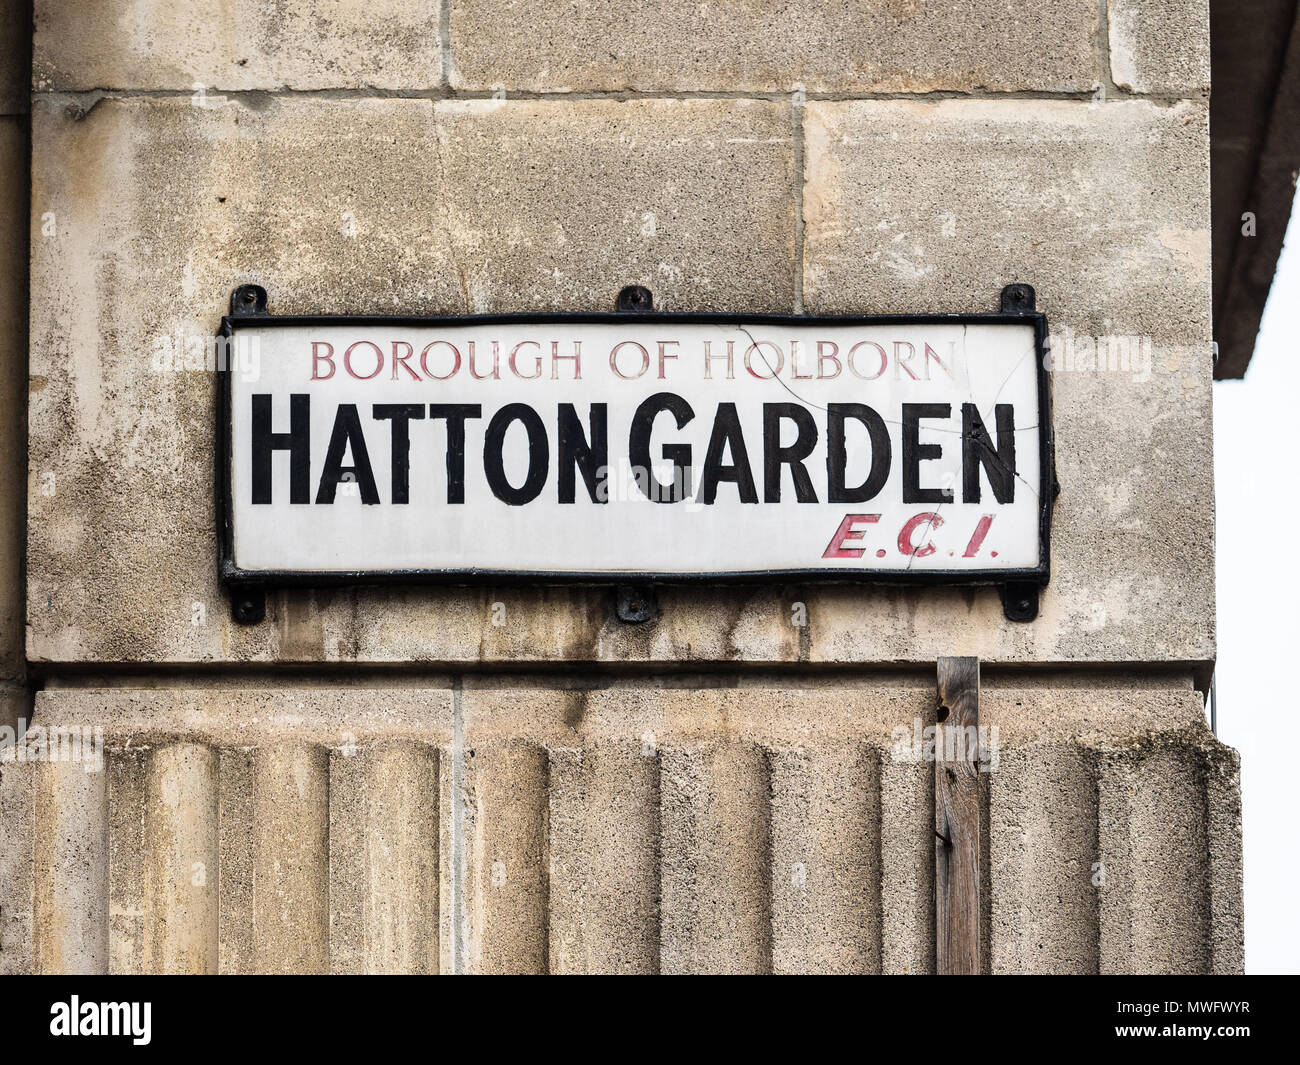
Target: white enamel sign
[608, 446]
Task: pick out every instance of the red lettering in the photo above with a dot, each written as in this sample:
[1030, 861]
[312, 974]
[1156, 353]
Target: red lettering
[514, 365]
[853, 366]
[400, 360]
[930, 353]
[495, 373]
[977, 538]
[317, 359]
[575, 358]
[613, 359]
[347, 359]
[823, 358]
[794, 363]
[709, 357]
[905, 544]
[758, 346]
[455, 360]
[900, 363]
[849, 531]
[664, 355]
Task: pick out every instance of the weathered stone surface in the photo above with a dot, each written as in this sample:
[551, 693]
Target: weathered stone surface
[604, 904]
[721, 823]
[765, 46]
[13, 390]
[659, 192]
[243, 831]
[384, 826]
[170, 202]
[290, 842]
[1152, 819]
[1160, 46]
[1043, 800]
[1059, 195]
[557, 205]
[69, 863]
[680, 808]
[244, 44]
[982, 192]
[640, 826]
[17, 868]
[178, 813]
[158, 209]
[15, 47]
[15, 705]
[1226, 947]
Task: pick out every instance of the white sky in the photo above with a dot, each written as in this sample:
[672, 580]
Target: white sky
[1255, 451]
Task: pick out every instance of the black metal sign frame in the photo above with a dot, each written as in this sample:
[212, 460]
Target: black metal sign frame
[1020, 587]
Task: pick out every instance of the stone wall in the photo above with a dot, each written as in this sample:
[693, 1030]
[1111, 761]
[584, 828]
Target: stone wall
[15, 33]
[386, 779]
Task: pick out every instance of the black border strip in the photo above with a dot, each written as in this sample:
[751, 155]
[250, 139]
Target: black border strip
[232, 577]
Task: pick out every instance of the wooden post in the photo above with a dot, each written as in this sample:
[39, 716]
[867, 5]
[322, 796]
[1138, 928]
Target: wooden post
[957, 819]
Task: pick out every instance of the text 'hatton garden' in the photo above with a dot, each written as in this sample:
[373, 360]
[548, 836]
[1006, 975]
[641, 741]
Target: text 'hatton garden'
[568, 446]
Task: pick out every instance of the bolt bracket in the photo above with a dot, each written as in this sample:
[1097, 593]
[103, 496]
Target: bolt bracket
[1020, 601]
[1018, 299]
[248, 301]
[635, 603]
[635, 299]
[247, 605]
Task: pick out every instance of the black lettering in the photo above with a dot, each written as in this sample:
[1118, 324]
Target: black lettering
[727, 434]
[914, 453]
[882, 453]
[775, 456]
[297, 441]
[539, 454]
[347, 434]
[400, 414]
[578, 452]
[977, 450]
[456, 414]
[678, 454]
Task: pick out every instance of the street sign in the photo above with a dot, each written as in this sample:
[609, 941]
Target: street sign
[628, 446]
